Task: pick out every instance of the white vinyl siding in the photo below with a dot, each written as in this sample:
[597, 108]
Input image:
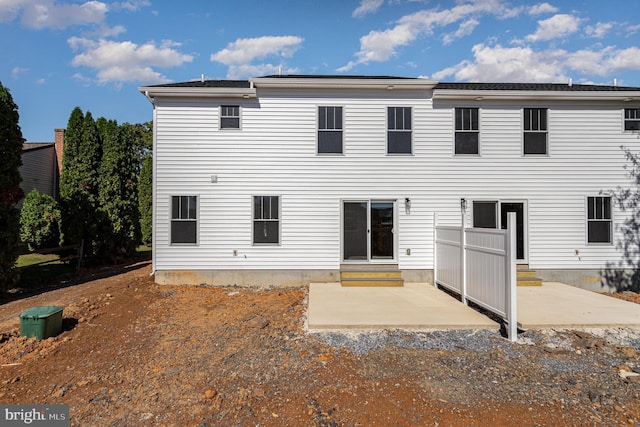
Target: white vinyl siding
[276, 153]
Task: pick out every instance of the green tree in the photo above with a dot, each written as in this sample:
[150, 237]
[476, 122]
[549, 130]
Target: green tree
[10, 193]
[79, 182]
[40, 221]
[145, 199]
[118, 195]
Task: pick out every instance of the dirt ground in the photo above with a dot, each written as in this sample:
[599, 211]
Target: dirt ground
[135, 353]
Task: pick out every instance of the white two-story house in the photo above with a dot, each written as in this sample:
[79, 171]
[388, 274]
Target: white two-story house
[285, 180]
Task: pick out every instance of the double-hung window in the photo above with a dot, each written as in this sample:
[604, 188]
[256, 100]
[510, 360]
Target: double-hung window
[535, 131]
[184, 219]
[399, 130]
[599, 222]
[632, 119]
[467, 138]
[329, 130]
[230, 117]
[266, 220]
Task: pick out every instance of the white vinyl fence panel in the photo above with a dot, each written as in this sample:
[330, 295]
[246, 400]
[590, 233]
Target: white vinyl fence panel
[479, 265]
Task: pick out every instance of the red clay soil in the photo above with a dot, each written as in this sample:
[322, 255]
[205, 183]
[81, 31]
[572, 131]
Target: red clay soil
[136, 353]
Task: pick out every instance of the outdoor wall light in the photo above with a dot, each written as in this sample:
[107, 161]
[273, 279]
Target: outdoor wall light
[407, 205]
[463, 204]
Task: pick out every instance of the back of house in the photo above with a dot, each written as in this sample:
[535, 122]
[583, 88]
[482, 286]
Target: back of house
[286, 180]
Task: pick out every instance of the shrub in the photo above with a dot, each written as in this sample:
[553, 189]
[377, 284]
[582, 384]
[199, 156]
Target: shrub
[40, 221]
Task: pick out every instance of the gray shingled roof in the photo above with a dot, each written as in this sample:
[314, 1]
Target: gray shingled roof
[552, 87]
[235, 84]
[30, 146]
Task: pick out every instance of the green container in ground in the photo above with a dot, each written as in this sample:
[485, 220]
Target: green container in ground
[41, 322]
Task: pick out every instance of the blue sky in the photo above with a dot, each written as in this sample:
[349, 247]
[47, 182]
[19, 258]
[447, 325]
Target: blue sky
[59, 54]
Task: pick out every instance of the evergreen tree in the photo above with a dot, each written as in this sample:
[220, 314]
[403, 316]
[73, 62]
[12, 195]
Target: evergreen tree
[70, 179]
[79, 182]
[118, 197]
[10, 193]
[145, 199]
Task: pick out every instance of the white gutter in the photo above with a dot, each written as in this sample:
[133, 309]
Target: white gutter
[198, 92]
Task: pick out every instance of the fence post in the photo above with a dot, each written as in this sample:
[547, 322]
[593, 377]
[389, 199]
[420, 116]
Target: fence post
[510, 276]
[435, 249]
[463, 261]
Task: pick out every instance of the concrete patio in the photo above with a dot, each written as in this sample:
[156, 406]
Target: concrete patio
[422, 306]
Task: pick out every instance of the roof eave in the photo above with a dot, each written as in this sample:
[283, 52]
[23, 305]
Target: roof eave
[346, 83]
[501, 95]
[197, 92]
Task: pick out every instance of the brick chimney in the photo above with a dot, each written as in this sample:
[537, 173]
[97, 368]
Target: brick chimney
[59, 148]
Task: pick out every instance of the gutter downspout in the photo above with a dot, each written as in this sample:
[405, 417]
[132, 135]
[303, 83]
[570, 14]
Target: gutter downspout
[151, 100]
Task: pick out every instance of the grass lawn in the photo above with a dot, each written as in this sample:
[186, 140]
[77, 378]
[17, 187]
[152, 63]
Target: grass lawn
[33, 272]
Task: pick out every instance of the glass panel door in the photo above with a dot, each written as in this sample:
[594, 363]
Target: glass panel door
[355, 231]
[382, 230]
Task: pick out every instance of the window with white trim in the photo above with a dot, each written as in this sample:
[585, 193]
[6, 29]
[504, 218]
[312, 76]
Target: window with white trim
[467, 138]
[632, 119]
[535, 131]
[485, 214]
[266, 220]
[230, 117]
[398, 130]
[599, 222]
[329, 130]
[184, 219]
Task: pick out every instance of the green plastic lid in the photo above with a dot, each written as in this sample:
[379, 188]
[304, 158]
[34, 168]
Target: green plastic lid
[40, 312]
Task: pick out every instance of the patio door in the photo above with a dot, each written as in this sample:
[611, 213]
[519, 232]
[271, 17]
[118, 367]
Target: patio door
[368, 231]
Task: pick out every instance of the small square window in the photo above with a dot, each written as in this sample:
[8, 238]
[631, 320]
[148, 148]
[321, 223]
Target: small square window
[485, 214]
[399, 130]
[330, 130]
[184, 219]
[632, 119]
[266, 220]
[467, 136]
[230, 117]
[599, 222]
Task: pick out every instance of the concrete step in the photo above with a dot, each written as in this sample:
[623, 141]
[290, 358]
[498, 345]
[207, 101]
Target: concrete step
[372, 282]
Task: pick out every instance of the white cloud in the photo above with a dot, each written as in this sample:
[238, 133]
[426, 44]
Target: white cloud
[599, 30]
[239, 55]
[464, 29]
[366, 7]
[127, 61]
[41, 81]
[541, 8]
[17, 71]
[524, 64]
[382, 45]
[632, 29]
[558, 26]
[10, 9]
[131, 6]
[604, 62]
[515, 64]
[243, 51]
[47, 14]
